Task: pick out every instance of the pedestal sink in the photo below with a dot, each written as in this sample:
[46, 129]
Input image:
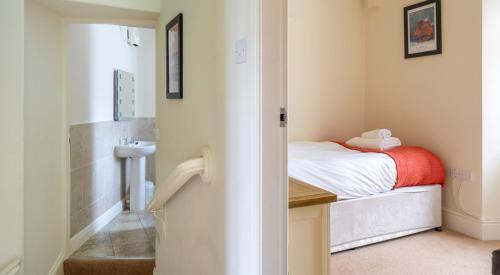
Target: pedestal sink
[136, 152]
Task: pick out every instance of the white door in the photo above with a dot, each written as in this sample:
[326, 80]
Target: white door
[274, 137]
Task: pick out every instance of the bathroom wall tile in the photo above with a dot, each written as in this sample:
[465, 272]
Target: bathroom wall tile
[97, 209]
[95, 183]
[76, 146]
[108, 173]
[77, 201]
[119, 176]
[79, 221]
[99, 176]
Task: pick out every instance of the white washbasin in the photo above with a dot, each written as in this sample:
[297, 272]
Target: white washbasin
[136, 153]
[135, 150]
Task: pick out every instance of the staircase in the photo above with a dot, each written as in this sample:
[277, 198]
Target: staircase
[108, 266]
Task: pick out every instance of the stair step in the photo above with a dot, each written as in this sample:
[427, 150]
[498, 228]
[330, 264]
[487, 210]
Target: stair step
[108, 266]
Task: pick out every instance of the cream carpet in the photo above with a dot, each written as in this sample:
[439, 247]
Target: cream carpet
[428, 253]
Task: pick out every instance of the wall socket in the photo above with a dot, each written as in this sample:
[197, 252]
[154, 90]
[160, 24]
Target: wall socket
[240, 51]
[459, 174]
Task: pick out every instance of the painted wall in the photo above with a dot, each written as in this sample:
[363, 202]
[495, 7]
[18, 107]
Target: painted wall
[93, 53]
[12, 137]
[185, 126]
[142, 13]
[219, 109]
[146, 74]
[491, 117]
[43, 170]
[431, 101]
[326, 69]
[144, 5]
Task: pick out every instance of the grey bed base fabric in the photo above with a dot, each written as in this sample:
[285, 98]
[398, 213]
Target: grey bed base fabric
[364, 221]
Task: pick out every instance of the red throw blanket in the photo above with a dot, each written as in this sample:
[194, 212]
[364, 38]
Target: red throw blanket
[415, 165]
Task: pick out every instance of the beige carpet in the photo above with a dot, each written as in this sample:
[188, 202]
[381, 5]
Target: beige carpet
[428, 253]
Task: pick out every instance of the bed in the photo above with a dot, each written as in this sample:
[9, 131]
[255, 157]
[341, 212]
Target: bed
[370, 208]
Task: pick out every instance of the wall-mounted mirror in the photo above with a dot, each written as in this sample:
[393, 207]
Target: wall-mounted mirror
[124, 95]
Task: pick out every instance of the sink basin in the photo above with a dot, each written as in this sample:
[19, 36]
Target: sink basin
[135, 150]
[136, 153]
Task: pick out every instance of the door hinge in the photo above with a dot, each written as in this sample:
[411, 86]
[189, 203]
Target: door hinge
[283, 117]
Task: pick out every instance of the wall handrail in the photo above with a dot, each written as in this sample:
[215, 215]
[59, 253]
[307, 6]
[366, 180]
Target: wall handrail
[12, 268]
[203, 166]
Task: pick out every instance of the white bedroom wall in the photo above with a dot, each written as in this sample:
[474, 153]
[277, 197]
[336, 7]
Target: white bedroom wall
[433, 101]
[93, 52]
[43, 168]
[12, 137]
[326, 55]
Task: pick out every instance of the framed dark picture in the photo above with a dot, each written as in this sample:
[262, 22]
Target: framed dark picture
[173, 32]
[422, 23]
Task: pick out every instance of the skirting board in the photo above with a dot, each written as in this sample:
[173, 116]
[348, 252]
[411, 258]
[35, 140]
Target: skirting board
[81, 237]
[471, 226]
[56, 268]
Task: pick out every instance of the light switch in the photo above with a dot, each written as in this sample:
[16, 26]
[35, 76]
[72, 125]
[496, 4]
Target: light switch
[240, 51]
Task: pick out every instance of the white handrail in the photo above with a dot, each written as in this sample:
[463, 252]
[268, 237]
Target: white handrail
[204, 166]
[12, 268]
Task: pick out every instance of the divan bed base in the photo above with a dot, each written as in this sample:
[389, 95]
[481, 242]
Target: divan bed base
[359, 222]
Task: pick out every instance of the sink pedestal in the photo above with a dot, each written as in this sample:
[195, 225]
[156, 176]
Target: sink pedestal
[136, 153]
[137, 183]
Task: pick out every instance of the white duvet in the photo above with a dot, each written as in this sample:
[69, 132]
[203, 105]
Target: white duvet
[348, 173]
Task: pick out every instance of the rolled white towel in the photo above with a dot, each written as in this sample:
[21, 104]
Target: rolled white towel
[376, 144]
[379, 133]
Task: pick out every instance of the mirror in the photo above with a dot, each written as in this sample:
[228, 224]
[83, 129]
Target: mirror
[124, 85]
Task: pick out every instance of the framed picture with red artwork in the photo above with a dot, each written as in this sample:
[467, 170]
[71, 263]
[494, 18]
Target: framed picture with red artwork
[422, 24]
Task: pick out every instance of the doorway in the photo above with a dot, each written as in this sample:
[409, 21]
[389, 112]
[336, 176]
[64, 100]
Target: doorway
[110, 85]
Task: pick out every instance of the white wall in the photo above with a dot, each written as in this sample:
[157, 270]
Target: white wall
[219, 108]
[141, 13]
[433, 101]
[93, 53]
[146, 75]
[144, 5]
[185, 126]
[491, 118]
[12, 137]
[326, 65]
[44, 189]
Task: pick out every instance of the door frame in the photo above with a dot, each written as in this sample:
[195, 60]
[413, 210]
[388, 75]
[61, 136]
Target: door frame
[274, 139]
[70, 244]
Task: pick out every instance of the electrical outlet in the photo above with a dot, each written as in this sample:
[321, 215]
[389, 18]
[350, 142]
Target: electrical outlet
[240, 51]
[460, 174]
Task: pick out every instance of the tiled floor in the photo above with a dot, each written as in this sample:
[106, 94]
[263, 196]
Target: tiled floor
[128, 235]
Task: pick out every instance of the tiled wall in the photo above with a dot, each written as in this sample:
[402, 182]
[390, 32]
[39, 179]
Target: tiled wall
[97, 176]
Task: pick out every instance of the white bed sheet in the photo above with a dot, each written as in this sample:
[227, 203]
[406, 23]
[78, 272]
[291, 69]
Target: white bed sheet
[348, 173]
